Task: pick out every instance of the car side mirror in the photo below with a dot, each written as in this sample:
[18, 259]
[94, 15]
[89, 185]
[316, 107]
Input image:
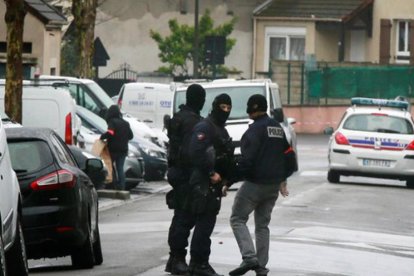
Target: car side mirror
[328, 130]
[291, 121]
[278, 115]
[167, 119]
[93, 165]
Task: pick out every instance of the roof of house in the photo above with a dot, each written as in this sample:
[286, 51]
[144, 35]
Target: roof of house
[313, 9]
[45, 12]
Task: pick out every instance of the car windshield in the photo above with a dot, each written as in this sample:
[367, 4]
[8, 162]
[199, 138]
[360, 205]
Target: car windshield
[39, 152]
[92, 121]
[239, 96]
[100, 94]
[378, 123]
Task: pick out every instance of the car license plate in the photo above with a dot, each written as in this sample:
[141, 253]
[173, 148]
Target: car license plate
[376, 163]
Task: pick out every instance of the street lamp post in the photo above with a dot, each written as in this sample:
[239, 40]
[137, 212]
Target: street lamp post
[196, 48]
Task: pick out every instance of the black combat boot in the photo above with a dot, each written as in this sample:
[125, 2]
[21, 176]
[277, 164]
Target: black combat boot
[168, 265]
[203, 269]
[178, 265]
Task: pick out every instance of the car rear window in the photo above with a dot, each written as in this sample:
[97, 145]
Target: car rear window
[29, 156]
[378, 123]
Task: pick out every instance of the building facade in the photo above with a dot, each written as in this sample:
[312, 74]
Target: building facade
[124, 30]
[41, 39]
[362, 31]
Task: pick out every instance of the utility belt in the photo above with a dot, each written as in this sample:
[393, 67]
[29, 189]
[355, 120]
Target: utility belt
[204, 196]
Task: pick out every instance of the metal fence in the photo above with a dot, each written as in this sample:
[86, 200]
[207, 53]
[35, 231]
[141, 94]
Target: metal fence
[335, 83]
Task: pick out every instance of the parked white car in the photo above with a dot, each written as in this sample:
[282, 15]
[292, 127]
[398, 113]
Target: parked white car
[375, 138]
[13, 260]
[240, 91]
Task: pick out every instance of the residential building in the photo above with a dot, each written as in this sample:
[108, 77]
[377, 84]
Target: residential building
[41, 39]
[370, 31]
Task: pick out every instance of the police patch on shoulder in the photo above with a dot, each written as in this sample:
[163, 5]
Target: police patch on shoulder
[201, 136]
[275, 132]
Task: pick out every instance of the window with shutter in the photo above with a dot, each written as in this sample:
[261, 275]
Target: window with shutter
[385, 41]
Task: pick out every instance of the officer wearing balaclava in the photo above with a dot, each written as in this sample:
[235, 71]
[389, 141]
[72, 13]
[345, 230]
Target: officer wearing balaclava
[179, 133]
[210, 144]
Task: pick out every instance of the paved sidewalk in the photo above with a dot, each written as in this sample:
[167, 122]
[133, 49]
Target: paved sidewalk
[111, 198]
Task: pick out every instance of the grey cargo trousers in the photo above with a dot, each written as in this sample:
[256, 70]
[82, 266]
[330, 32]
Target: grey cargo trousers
[261, 199]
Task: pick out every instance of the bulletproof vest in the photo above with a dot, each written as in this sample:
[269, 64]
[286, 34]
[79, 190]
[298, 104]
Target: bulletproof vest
[179, 132]
[224, 150]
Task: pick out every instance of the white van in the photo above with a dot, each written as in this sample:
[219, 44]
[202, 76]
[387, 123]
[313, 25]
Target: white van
[240, 91]
[146, 101]
[47, 106]
[88, 94]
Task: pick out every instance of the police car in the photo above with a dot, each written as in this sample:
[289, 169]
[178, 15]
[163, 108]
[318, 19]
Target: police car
[375, 138]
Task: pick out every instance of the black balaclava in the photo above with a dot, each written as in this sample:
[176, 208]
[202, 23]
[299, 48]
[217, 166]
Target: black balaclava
[113, 112]
[220, 116]
[195, 97]
[255, 103]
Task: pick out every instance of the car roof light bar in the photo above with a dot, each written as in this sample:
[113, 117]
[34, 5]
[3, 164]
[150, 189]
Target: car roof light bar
[380, 103]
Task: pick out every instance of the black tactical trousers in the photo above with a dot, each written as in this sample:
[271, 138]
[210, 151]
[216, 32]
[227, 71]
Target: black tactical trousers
[179, 231]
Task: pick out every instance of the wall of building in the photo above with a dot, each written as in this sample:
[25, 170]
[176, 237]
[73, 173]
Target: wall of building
[45, 44]
[51, 53]
[393, 10]
[326, 45]
[259, 63]
[314, 119]
[125, 30]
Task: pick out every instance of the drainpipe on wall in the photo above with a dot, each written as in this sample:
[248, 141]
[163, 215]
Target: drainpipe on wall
[341, 43]
[196, 39]
[253, 73]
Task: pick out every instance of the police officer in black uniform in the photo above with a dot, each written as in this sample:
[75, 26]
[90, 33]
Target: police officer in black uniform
[179, 133]
[211, 152]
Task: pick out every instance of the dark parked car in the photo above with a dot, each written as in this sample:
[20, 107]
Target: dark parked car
[60, 203]
[82, 156]
[154, 157]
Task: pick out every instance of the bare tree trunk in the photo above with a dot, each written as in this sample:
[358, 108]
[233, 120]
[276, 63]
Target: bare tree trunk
[15, 13]
[84, 13]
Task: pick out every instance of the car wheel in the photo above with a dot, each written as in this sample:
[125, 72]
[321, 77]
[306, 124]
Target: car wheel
[97, 249]
[16, 259]
[84, 256]
[333, 176]
[2, 257]
[410, 183]
[131, 185]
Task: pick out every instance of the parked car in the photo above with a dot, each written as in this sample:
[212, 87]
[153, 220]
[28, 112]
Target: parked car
[88, 94]
[92, 128]
[146, 101]
[154, 157]
[13, 260]
[240, 91]
[60, 115]
[81, 156]
[375, 138]
[60, 203]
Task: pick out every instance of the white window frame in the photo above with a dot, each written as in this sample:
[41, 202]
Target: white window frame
[406, 51]
[284, 32]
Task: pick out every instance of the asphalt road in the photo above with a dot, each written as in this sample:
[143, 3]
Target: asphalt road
[361, 227]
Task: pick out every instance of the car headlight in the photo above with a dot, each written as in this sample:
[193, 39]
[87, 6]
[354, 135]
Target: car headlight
[150, 152]
[133, 151]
